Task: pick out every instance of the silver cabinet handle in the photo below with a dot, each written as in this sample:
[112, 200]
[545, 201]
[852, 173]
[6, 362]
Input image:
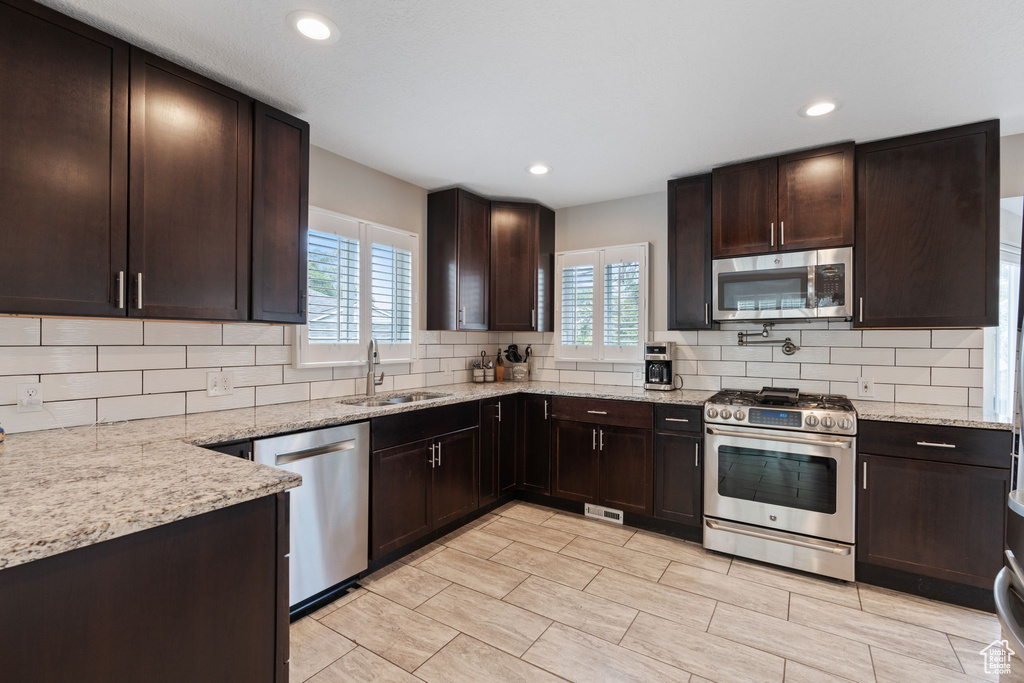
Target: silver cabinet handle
[593, 445]
[864, 480]
[833, 548]
[598, 412]
[433, 462]
[930, 444]
[771, 234]
[438, 453]
[601, 445]
[120, 289]
[499, 411]
[138, 293]
[533, 318]
[782, 232]
[545, 409]
[293, 456]
[462, 315]
[675, 419]
[696, 455]
[707, 313]
[861, 309]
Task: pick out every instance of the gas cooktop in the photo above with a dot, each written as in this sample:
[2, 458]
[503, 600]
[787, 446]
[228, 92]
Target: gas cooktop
[780, 408]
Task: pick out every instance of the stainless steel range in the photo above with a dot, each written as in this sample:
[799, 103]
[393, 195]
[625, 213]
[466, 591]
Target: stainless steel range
[780, 478]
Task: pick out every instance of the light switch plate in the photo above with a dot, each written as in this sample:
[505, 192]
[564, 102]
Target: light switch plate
[220, 383]
[30, 398]
[865, 387]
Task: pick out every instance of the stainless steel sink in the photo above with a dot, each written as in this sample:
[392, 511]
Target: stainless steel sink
[370, 403]
[412, 398]
[380, 401]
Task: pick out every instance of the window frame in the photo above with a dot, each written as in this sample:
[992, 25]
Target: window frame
[368, 233]
[599, 258]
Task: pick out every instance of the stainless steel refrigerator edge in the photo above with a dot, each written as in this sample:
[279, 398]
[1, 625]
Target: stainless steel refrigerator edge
[330, 510]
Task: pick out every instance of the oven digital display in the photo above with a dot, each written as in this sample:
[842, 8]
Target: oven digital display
[776, 418]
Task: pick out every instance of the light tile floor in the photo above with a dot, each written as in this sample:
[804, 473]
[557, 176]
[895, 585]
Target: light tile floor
[533, 594]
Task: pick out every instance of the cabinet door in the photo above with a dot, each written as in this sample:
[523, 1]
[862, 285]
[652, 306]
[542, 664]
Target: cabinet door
[745, 204]
[454, 489]
[627, 464]
[927, 230]
[63, 164]
[513, 266]
[576, 469]
[535, 444]
[190, 194]
[401, 498]
[816, 198]
[937, 519]
[490, 436]
[677, 478]
[280, 211]
[507, 413]
[474, 265]
[689, 253]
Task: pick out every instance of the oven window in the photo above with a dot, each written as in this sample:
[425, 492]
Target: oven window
[764, 290]
[805, 482]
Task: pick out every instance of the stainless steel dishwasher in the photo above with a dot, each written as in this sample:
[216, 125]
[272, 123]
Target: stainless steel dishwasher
[330, 512]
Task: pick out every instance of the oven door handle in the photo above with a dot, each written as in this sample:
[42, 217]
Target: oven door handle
[773, 437]
[822, 547]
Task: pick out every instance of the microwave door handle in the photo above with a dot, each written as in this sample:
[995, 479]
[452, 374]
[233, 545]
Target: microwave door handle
[785, 439]
[812, 299]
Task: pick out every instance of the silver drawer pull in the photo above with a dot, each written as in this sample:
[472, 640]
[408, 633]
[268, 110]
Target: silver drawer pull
[598, 412]
[675, 419]
[936, 445]
[294, 456]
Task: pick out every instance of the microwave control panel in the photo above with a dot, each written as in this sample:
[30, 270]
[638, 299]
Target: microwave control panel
[830, 285]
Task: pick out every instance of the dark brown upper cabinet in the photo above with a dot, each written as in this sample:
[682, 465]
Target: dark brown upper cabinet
[816, 198]
[927, 233]
[190, 194]
[689, 253]
[522, 267]
[63, 164]
[794, 202]
[458, 260]
[745, 207]
[280, 210]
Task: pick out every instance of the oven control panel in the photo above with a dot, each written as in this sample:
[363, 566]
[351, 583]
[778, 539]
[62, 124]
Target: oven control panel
[776, 418]
[805, 420]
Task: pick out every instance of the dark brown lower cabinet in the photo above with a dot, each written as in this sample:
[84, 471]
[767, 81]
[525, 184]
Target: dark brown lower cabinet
[935, 519]
[576, 467]
[677, 477]
[202, 599]
[497, 447]
[453, 476]
[535, 443]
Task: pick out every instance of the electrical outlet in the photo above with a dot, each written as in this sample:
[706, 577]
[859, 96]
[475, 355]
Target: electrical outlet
[865, 387]
[30, 398]
[638, 377]
[220, 383]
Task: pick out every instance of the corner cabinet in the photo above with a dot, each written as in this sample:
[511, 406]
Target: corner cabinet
[280, 213]
[458, 260]
[928, 218]
[534, 461]
[689, 253]
[498, 430]
[522, 267]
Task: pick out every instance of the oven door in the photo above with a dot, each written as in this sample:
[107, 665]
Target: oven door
[791, 481]
[769, 287]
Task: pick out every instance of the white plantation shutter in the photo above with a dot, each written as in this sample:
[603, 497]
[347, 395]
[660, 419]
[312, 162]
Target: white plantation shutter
[361, 284]
[601, 303]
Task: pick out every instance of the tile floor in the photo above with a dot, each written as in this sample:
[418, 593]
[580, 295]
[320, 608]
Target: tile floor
[533, 594]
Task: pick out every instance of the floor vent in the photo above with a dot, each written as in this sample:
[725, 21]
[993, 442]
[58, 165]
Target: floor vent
[607, 514]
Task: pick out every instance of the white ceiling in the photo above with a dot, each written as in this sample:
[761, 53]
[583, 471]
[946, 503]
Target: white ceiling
[616, 96]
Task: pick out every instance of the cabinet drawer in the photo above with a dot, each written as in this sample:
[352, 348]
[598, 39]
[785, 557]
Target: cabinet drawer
[677, 418]
[601, 411]
[962, 445]
[416, 425]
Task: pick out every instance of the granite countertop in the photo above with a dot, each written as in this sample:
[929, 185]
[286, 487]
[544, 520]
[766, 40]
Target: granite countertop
[65, 489]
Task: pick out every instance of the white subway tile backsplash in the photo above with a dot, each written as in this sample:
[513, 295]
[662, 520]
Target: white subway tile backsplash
[57, 414]
[308, 375]
[256, 375]
[579, 376]
[139, 407]
[935, 358]
[847, 356]
[958, 339]
[948, 396]
[702, 382]
[166, 381]
[746, 383]
[883, 392]
[975, 397]
[699, 352]
[957, 377]
[73, 332]
[333, 389]
[713, 367]
[171, 334]
[621, 379]
[403, 382]
[830, 338]
[977, 358]
[248, 334]
[140, 357]
[199, 402]
[219, 356]
[39, 360]
[19, 331]
[452, 337]
[750, 353]
[91, 385]
[282, 393]
[898, 338]
[273, 355]
[788, 370]
[837, 373]
[806, 354]
[438, 351]
[895, 374]
[716, 337]
[9, 387]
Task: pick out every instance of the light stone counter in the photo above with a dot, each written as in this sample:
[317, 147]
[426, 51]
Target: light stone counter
[921, 413]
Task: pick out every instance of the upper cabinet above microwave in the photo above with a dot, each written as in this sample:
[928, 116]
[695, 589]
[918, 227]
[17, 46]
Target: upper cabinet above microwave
[143, 212]
[794, 202]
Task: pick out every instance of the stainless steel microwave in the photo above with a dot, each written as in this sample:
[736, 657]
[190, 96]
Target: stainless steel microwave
[795, 284]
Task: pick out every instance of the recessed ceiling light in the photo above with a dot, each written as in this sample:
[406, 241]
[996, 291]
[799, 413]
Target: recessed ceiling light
[538, 169]
[819, 108]
[314, 26]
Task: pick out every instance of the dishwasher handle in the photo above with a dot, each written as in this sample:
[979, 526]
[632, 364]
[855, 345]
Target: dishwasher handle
[294, 456]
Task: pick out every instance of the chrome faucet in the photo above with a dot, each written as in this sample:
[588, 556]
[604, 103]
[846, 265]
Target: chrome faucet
[373, 358]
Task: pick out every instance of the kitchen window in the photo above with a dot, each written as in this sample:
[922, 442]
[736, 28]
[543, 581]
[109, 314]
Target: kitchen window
[362, 283]
[601, 303]
[1001, 342]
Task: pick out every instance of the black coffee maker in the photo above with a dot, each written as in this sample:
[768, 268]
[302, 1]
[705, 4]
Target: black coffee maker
[658, 375]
